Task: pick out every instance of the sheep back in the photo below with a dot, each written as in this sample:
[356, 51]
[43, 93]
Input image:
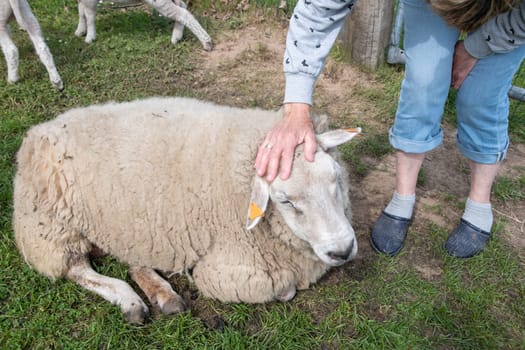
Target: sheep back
[152, 182]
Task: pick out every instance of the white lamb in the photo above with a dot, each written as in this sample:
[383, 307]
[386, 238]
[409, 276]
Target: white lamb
[164, 184]
[174, 10]
[20, 10]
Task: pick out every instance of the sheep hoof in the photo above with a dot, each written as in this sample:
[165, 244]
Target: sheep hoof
[208, 45]
[173, 306]
[176, 37]
[286, 295]
[12, 79]
[136, 315]
[80, 32]
[58, 84]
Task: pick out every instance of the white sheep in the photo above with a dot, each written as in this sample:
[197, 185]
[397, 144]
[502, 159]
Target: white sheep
[20, 10]
[174, 10]
[164, 184]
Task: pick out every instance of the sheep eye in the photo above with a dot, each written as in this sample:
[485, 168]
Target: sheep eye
[292, 205]
[289, 203]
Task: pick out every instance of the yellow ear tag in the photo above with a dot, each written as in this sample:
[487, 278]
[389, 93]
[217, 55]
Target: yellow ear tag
[255, 211]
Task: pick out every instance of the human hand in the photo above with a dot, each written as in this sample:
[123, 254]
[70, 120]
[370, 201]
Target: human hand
[462, 65]
[275, 154]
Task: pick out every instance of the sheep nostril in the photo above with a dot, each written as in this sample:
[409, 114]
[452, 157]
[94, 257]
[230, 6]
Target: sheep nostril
[342, 254]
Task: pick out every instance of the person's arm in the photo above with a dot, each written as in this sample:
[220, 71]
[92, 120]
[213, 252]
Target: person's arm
[313, 29]
[501, 34]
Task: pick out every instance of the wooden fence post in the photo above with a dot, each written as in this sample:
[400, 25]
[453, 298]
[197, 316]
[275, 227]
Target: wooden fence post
[366, 33]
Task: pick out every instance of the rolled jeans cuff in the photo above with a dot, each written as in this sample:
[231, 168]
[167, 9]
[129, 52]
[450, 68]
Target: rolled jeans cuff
[412, 146]
[483, 158]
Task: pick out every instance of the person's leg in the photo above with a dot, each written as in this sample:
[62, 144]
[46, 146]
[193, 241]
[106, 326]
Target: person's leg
[407, 170]
[481, 178]
[473, 232]
[429, 47]
[478, 210]
[482, 106]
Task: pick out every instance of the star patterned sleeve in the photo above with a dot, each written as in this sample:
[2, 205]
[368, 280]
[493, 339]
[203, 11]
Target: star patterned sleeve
[313, 29]
[501, 34]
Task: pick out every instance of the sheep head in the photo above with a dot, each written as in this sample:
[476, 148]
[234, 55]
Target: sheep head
[312, 201]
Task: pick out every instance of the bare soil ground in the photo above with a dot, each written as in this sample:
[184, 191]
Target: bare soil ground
[245, 69]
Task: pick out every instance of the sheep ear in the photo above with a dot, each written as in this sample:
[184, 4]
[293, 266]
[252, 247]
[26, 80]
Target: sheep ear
[258, 202]
[320, 122]
[334, 138]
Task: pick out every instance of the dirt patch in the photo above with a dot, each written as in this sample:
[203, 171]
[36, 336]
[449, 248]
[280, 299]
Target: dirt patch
[245, 69]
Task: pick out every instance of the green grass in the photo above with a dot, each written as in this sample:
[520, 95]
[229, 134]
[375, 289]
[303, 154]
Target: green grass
[510, 189]
[373, 144]
[376, 303]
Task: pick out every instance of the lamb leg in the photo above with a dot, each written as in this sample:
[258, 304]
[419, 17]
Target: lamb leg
[25, 17]
[8, 46]
[183, 16]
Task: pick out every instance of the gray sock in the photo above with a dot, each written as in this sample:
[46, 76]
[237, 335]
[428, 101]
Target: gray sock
[478, 214]
[401, 206]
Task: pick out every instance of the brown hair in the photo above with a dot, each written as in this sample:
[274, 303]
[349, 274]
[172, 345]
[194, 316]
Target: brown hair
[468, 15]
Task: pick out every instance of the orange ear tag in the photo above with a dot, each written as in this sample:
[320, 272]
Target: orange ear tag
[255, 211]
[356, 130]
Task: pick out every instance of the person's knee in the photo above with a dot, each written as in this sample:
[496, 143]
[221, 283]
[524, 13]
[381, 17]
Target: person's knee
[471, 100]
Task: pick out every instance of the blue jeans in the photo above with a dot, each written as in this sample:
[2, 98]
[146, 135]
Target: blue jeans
[482, 102]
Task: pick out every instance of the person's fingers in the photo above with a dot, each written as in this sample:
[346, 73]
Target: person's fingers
[310, 146]
[263, 154]
[273, 165]
[258, 157]
[286, 164]
[453, 83]
[295, 128]
[261, 162]
[462, 65]
[262, 166]
[457, 80]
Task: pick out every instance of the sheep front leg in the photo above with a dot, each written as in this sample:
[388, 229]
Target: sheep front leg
[28, 21]
[81, 27]
[113, 290]
[184, 17]
[178, 28]
[8, 46]
[87, 10]
[10, 52]
[157, 290]
[178, 31]
[234, 272]
[46, 58]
